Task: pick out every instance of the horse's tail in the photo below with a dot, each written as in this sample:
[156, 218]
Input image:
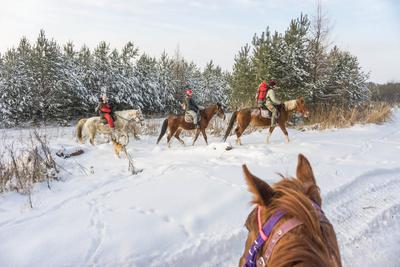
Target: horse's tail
[79, 128]
[230, 125]
[163, 130]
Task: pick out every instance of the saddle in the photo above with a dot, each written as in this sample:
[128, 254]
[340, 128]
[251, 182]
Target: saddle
[264, 113]
[189, 118]
[104, 121]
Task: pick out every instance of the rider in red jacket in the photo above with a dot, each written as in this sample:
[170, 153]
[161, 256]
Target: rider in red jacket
[104, 108]
[261, 94]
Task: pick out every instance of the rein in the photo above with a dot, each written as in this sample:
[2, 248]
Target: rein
[264, 234]
[127, 120]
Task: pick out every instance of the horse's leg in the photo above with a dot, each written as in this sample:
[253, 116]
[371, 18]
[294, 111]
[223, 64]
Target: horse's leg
[203, 132]
[177, 133]
[239, 131]
[196, 136]
[171, 133]
[92, 134]
[283, 128]
[271, 129]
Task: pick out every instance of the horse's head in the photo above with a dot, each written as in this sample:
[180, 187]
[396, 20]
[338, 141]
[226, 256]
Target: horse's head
[220, 111]
[137, 116]
[288, 212]
[301, 107]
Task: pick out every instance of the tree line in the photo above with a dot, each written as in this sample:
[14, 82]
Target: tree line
[45, 81]
[302, 63]
[48, 82]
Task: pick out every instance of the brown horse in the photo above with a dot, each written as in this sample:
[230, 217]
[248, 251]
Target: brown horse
[176, 124]
[250, 116]
[302, 235]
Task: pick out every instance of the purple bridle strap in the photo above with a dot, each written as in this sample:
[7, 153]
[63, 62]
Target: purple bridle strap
[259, 242]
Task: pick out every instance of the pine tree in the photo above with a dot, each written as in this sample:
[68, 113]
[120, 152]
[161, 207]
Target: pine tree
[216, 89]
[129, 93]
[49, 79]
[168, 86]
[17, 94]
[296, 66]
[242, 79]
[74, 97]
[347, 83]
[261, 57]
[145, 72]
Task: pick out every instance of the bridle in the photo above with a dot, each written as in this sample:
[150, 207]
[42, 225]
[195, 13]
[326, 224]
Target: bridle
[265, 233]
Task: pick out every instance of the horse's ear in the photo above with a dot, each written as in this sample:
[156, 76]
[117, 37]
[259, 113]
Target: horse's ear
[304, 171]
[262, 192]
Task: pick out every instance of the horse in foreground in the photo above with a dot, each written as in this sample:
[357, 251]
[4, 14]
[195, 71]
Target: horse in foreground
[176, 123]
[93, 125]
[251, 116]
[288, 226]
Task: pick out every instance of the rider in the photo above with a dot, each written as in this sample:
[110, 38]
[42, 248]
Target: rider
[191, 107]
[105, 110]
[261, 94]
[272, 101]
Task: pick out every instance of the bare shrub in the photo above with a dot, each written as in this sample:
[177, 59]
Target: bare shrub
[20, 169]
[151, 126]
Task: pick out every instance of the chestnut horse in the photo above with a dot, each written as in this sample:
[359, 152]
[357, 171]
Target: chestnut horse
[288, 226]
[250, 116]
[176, 124]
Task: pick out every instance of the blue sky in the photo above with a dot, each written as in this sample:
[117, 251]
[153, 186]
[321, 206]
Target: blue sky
[206, 29]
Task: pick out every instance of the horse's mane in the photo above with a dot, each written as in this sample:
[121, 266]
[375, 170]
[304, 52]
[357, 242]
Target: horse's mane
[309, 244]
[290, 104]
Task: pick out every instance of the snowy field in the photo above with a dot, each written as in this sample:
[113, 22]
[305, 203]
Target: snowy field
[188, 206]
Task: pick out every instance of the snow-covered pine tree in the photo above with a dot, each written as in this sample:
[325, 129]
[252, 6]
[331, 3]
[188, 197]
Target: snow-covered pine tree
[295, 79]
[145, 71]
[16, 98]
[347, 82]
[168, 86]
[216, 89]
[242, 79]
[129, 93]
[261, 57]
[74, 97]
[102, 70]
[49, 79]
[87, 75]
[194, 78]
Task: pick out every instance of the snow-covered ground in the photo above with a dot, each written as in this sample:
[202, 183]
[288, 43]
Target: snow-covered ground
[188, 206]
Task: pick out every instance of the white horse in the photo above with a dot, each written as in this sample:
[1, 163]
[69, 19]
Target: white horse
[124, 119]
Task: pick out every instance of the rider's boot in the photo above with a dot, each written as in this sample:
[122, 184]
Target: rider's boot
[273, 120]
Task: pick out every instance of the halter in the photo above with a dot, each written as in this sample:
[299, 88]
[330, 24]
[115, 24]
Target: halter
[264, 233]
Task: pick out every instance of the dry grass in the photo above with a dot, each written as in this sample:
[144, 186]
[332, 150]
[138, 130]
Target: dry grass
[21, 169]
[324, 117]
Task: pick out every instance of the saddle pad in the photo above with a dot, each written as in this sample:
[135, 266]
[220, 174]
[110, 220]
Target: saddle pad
[261, 112]
[188, 118]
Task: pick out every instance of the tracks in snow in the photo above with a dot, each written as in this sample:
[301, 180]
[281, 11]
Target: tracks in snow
[361, 209]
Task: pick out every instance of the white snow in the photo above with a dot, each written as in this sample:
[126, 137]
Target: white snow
[188, 206]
